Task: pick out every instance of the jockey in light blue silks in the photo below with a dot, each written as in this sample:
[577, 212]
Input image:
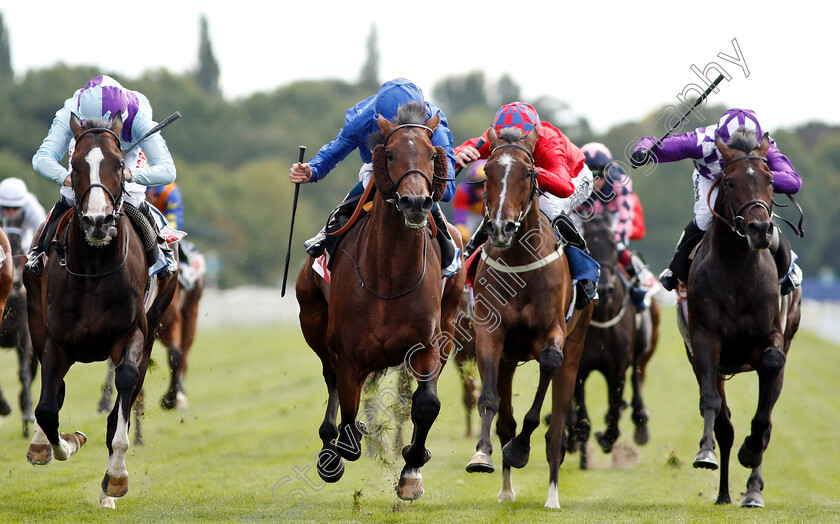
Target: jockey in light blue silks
[103, 97]
[360, 122]
[699, 145]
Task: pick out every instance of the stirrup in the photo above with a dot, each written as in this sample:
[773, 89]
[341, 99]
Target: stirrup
[315, 245]
[668, 279]
[35, 263]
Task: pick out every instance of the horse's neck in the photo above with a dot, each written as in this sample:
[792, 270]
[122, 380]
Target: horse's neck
[389, 243]
[80, 254]
[533, 241]
[730, 247]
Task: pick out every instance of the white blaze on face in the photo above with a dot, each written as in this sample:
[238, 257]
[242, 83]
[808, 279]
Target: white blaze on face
[506, 161]
[97, 203]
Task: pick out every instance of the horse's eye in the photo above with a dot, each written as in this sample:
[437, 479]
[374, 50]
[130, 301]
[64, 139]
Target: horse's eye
[388, 154]
[730, 184]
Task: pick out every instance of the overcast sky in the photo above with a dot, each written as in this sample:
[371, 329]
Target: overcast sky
[610, 61]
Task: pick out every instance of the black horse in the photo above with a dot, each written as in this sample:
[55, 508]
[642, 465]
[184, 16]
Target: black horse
[736, 319]
[14, 328]
[95, 301]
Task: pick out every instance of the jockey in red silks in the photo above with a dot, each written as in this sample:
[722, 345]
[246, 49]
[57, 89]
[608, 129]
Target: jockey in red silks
[561, 174]
[614, 194]
[699, 145]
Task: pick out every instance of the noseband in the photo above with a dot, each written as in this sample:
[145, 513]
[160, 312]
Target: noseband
[116, 202]
[738, 224]
[532, 175]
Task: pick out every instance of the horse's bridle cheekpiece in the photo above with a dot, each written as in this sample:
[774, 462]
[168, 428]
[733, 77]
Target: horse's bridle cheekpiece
[116, 202]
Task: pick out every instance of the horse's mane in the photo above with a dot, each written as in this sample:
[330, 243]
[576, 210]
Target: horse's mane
[408, 113]
[743, 139]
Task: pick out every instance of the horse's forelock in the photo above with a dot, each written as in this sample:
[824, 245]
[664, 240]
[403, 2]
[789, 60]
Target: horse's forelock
[743, 139]
[511, 135]
[411, 113]
[95, 123]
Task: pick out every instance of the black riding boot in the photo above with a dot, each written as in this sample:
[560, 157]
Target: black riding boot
[146, 225]
[448, 249]
[678, 268]
[567, 230]
[478, 238]
[35, 262]
[780, 249]
[316, 245]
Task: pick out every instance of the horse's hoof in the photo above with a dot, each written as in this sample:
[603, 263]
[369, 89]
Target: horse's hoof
[749, 458]
[105, 501]
[507, 495]
[753, 499]
[603, 441]
[515, 456]
[330, 466]
[39, 454]
[5, 408]
[348, 444]
[77, 438]
[181, 403]
[641, 436]
[723, 500]
[706, 459]
[427, 454]
[480, 463]
[104, 406]
[410, 486]
[114, 487]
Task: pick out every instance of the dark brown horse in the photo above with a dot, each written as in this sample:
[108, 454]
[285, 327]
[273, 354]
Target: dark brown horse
[385, 304]
[523, 292]
[91, 304]
[7, 278]
[14, 329]
[737, 320]
[613, 344]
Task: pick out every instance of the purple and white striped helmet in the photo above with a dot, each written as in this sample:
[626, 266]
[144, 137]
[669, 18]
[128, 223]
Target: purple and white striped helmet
[732, 119]
[103, 97]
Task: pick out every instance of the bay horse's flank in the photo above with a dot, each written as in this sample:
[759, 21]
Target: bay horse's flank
[736, 320]
[523, 290]
[384, 305]
[89, 304]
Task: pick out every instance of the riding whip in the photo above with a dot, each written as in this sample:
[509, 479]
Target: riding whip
[292, 228]
[165, 122]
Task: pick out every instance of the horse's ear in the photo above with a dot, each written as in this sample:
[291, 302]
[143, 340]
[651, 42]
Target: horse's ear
[433, 122]
[531, 139]
[75, 125]
[385, 125]
[441, 173]
[725, 152]
[116, 123]
[765, 145]
[492, 138]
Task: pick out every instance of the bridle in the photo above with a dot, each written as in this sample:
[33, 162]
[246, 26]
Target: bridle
[116, 202]
[532, 175]
[739, 216]
[393, 199]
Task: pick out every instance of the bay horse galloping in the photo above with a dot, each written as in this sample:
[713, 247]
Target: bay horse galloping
[92, 304]
[523, 292]
[385, 305]
[618, 338]
[736, 320]
[14, 329]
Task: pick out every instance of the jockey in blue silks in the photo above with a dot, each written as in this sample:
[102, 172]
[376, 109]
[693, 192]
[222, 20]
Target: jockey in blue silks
[103, 97]
[360, 122]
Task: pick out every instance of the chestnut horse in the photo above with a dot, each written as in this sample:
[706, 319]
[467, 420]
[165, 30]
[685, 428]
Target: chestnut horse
[14, 329]
[523, 292]
[385, 304]
[91, 303]
[618, 338]
[736, 320]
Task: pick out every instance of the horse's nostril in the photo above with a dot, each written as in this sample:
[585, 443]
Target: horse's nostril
[490, 228]
[510, 228]
[427, 204]
[87, 221]
[109, 219]
[404, 203]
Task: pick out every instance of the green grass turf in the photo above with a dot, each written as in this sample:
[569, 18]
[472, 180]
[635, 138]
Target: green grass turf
[257, 397]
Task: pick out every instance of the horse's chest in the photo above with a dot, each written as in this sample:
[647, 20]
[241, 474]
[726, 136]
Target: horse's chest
[97, 314]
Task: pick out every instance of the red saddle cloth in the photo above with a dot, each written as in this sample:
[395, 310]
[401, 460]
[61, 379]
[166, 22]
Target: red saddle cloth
[472, 264]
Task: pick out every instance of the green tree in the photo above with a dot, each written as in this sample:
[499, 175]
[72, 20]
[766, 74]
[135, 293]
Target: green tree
[369, 77]
[208, 69]
[6, 73]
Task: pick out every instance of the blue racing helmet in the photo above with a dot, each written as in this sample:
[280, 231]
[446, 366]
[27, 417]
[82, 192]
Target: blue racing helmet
[393, 94]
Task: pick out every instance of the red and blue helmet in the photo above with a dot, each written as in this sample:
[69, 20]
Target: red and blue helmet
[516, 114]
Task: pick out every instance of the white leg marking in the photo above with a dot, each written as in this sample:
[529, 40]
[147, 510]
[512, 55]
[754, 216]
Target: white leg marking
[506, 494]
[40, 437]
[116, 462]
[105, 501]
[505, 160]
[63, 450]
[97, 205]
[553, 500]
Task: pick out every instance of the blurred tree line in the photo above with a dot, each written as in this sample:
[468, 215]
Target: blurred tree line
[233, 156]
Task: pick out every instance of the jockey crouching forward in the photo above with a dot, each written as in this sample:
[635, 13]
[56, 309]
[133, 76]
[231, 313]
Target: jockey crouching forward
[561, 174]
[613, 194]
[360, 123]
[103, 97]
[699, 145]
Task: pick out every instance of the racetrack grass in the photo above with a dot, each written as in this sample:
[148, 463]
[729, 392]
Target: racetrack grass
[257, 397]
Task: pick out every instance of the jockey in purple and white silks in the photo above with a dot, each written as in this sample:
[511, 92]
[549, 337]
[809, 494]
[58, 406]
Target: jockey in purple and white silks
[699, 145]
[102, 98]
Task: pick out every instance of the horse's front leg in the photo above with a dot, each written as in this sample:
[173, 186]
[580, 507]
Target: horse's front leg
[128, 381]
[105, 405]
[615, 376]
[771, 371]
[506, 424]
[488, 347]
[516, 452]
[26, 373]
[348, 443]
[47, 442]
[174, 396]
[330, 465]
[705, 360]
